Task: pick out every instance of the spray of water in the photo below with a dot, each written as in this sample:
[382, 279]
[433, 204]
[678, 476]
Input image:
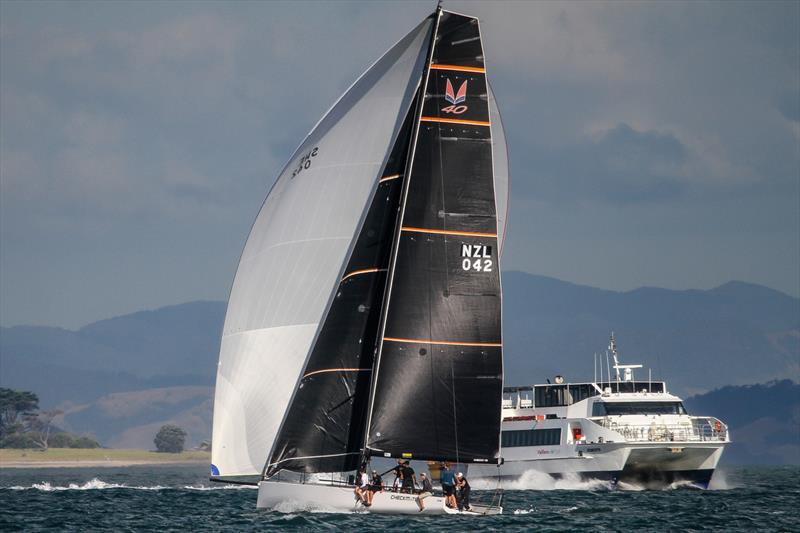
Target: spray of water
[720, 481]
[535, 480]
[292, 506]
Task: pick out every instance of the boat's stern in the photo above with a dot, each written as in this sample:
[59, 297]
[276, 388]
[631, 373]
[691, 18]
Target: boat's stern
[668, 449]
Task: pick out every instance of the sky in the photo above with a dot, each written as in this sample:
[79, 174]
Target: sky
[651, 144]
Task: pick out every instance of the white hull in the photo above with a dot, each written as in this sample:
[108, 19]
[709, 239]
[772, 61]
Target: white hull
[605, 464]
[654, 465]
[650, 464]
[292, 497]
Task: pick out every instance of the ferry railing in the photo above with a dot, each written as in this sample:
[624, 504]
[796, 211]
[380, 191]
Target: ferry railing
[693, 429]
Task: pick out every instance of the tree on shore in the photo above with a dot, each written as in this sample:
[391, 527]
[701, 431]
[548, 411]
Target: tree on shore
[170, 439]
[14, 406]
[23, 425]
[40, 425]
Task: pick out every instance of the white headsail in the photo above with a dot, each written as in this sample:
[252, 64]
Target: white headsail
[500, 163]
[295, 254]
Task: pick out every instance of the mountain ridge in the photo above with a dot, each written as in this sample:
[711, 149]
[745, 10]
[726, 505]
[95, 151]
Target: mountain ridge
[697, 340]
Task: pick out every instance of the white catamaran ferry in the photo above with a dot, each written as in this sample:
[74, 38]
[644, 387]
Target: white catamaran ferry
[619, 429]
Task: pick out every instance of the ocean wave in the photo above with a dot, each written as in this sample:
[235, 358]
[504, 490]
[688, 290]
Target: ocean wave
[99, 484]
[93, 484]
[221, 487]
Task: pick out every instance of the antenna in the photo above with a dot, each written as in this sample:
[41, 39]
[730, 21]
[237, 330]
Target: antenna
[612, 347]
[595, 366]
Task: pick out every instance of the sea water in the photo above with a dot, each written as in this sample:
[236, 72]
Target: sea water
[181, 498]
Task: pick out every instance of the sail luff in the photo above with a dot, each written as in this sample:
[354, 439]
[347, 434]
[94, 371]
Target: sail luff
[395, 242]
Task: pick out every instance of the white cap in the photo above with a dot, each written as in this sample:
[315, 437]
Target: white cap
[459, 475]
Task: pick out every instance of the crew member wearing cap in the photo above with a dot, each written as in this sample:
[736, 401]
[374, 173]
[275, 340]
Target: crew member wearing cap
[463, 492]
[375, 484]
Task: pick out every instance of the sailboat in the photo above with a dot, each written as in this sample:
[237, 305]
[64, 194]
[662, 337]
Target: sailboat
[364, 319]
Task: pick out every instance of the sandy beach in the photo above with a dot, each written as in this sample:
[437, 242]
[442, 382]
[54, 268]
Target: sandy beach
[96, 458]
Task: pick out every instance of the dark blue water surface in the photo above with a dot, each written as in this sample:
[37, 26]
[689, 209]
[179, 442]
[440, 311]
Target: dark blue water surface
[180, 498]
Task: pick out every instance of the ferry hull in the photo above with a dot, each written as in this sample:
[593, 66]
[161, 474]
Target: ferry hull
[606, 465]
[292, 497]
[655, 466]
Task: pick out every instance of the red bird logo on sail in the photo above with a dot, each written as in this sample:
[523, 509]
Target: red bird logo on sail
[455, 98]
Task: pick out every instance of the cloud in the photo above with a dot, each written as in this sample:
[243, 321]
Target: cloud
[618, 166]
[139, 141]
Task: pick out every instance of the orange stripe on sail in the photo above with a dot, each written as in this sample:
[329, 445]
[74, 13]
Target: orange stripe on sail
[449, 232]
[456, 121]
[392, 177]
[363, 271]
[337, 370]
[450, 343]
[441, 66]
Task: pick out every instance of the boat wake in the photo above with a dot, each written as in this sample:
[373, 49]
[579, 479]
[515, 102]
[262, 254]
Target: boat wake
[99, 484]
[535, 480]
[675, 485]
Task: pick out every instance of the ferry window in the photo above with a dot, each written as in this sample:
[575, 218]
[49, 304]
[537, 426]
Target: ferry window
[633, 386]
[531, 437]
[581, 392]
[637, 408]
[551, 395]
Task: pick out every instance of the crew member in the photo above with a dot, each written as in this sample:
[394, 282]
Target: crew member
[375, 485]
[409, 478]
[363, 494]
[463, 492]
[426, 490]
[448, 481]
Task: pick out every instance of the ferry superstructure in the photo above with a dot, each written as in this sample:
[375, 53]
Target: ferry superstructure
[621, 430]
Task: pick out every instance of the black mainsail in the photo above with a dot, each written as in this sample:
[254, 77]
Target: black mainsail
[438, 375]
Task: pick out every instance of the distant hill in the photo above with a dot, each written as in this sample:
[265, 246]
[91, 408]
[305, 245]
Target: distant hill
[131, 419]
[175, 345]
[735, 334]
[764, 421]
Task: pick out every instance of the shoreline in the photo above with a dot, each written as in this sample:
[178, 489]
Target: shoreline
[97, 458]
[97, 464]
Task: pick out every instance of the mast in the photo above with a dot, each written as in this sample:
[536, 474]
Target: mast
[404, 195]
